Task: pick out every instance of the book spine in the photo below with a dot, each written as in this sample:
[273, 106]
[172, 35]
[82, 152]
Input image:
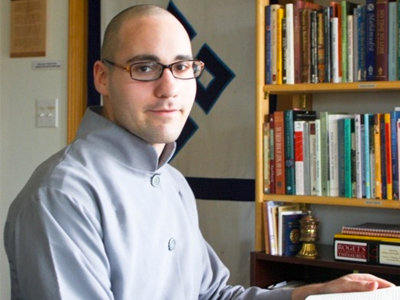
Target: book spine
[305, 46]
[355, 43]
[377, 147]
[362, 69]
[272, 153]
[335, 50]
[313, 157]
[299, 156]
[324, 152]
[366, 162]
[372, 155]
[382, 7]
[394, 117]
[279, 47]
[392, 53]
[289, 153]
[398, 154]
[318, 184]
[290, 44]
[367, 251]
[327, 44]
[280, 185]
[320, 46]
[358, 142]
[343, 24]
[350, 48]
[383, 156]
[266, 145]
[341, 157]
[347, 157]
[274, 41]
[370, 34]
[314, 46]
[388, 149]
[297, 7]
[268, 75]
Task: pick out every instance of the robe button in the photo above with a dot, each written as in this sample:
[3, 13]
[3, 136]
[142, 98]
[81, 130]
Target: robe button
[171, 244]
[155, 180]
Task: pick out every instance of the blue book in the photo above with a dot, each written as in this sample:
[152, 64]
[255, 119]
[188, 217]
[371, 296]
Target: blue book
[394, 116]
[268, 75]
[291, 233]
[370, 35]
[361, 72]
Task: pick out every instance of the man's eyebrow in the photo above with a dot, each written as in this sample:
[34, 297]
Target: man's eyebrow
[149, 57]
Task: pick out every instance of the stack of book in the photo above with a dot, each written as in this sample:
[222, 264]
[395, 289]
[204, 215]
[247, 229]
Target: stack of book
[370, 243]
[282, 228]
[332, 154]
[341, 42]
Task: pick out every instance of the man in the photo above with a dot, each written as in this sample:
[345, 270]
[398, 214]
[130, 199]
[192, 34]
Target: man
[107, 217]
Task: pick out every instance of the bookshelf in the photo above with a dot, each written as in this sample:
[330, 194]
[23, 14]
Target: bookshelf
[268, 269]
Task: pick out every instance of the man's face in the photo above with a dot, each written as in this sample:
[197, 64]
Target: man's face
[155, 111]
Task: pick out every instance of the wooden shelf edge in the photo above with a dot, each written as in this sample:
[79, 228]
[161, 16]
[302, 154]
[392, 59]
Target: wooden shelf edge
[312, 88]
[339, 201]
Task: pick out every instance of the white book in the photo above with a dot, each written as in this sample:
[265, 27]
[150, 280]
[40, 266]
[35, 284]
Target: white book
[350, 49]
[290, 44]
[393, 43]
[272, 208]
[359, 134]
[380, 294]
[335, 49]
[315, 157]
[334, 153]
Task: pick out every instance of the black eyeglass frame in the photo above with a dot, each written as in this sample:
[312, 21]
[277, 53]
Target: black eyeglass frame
[129, 68]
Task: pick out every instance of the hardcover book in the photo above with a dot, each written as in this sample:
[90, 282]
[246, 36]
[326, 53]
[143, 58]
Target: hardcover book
[382, 39]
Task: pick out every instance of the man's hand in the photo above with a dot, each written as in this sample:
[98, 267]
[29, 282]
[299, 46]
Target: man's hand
[349, 283]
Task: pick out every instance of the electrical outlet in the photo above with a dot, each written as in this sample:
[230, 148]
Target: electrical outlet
[47, 113]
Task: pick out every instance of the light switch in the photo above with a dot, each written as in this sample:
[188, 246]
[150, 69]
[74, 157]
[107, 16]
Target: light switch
[46, 113]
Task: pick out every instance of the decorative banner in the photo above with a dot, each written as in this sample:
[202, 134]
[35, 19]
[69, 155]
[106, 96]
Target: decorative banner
[216, 147]
[28, 28]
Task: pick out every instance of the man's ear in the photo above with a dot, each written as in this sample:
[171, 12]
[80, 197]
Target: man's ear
[100, 77]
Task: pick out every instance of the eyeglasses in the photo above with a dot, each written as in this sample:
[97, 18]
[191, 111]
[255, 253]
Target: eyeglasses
[151, 70]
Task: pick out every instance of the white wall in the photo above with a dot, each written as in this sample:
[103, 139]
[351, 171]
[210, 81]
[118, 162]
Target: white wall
[22, 145]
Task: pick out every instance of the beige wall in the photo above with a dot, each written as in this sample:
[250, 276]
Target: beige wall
[22, 145]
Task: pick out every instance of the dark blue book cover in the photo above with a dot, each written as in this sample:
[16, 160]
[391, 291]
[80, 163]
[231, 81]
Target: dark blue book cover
[268, 75]
[291, 233]
[370, 39]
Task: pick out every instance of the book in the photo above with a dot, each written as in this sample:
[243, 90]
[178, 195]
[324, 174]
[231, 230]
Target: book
[290, 231]
[388, 156]
[373, 229]
[377, 157]
[394, 117]
[272, 188]
[279, 132]
[268, 45]
[367, 250]
[279, 50]
[290, 44]
[290, 117]
[284, 209]
[305, 23]
[333, 153]
[314, 46]
[361, 45]
[265, 227]
[387, 294]
[274, 41]
[346, 10]
[335, 49]
[350, 48]
[359, 154]
[392, 41]
[266, 145]
[321, 46]
[344, 161]
[299, 136]
[382, 39]
[370, 39]
[327, 44]
[315, 157]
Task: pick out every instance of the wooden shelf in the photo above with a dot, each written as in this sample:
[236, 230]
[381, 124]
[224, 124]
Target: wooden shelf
[314, 88]
[271, 269]
[371, 203]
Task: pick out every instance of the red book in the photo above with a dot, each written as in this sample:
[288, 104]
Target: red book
[382, 39]
[279, 124]
[272, 188]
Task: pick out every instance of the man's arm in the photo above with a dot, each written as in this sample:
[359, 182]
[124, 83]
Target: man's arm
[55, 249]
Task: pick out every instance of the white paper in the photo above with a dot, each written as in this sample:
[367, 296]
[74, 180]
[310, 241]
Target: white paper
[381, 294]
